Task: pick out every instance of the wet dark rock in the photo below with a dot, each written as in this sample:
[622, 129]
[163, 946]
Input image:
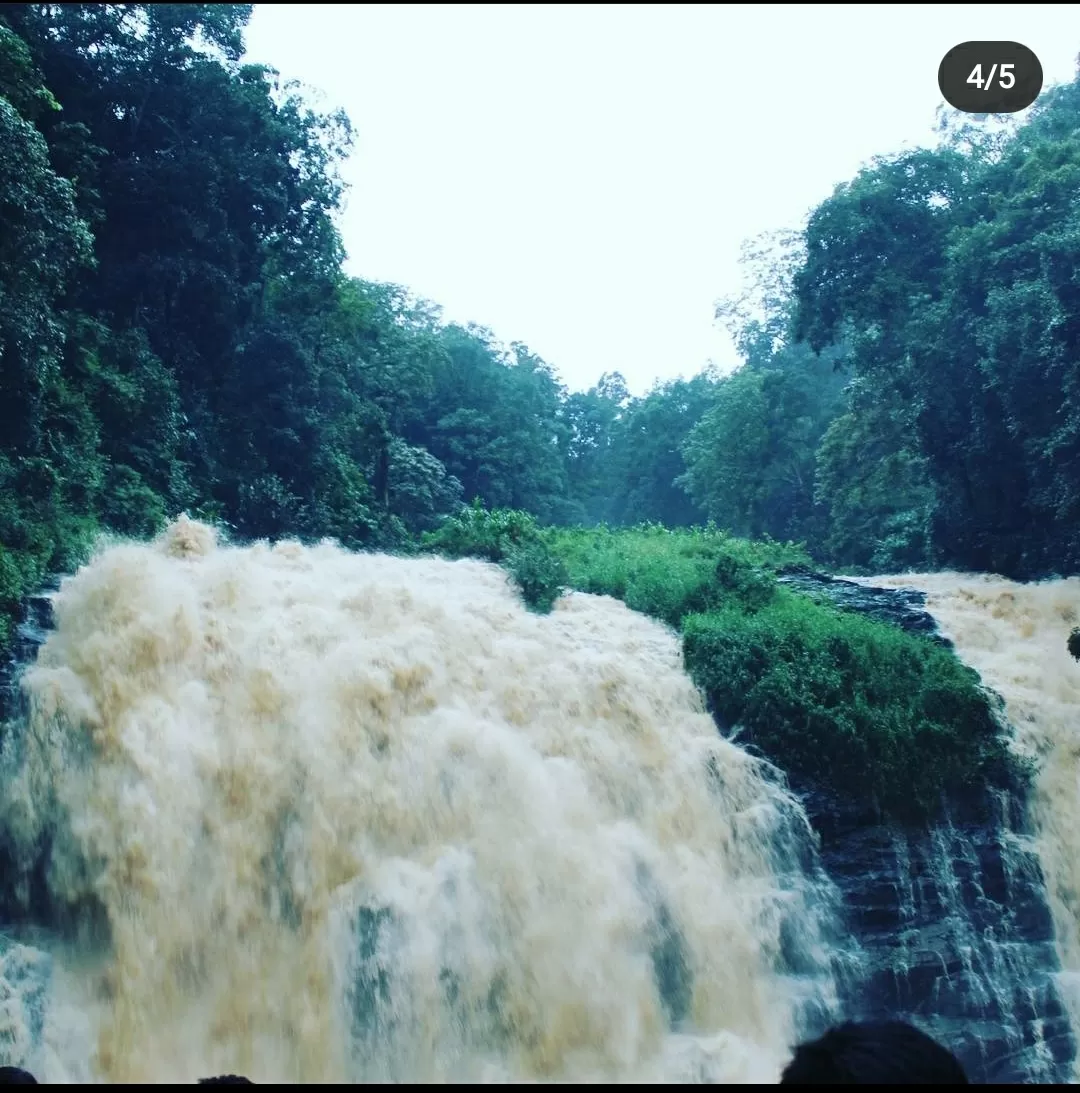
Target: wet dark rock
[902, 607]
[30, 635]
[950, 929]
[22, 893]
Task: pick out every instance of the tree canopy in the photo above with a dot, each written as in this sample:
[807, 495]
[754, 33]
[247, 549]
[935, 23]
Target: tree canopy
[177, 332]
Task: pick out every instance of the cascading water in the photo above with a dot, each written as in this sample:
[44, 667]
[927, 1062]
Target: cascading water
[311, 815]
[956, 935]
[1014, 635]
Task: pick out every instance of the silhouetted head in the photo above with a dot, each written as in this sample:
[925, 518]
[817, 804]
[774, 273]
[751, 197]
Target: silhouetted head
[15, 1075]
[1074, 642]
[226, 1079]
[868, 1053]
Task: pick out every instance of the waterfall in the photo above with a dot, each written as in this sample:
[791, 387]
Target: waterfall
[312, 815]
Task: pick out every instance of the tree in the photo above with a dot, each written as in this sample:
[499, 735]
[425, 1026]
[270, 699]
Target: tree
[951, 273]
[43, 242]
[873, 486]
[750, 459]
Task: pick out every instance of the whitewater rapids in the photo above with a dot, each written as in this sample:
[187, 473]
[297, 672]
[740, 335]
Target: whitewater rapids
[320, 816]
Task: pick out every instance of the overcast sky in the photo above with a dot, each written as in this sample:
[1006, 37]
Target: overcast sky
[580, 178]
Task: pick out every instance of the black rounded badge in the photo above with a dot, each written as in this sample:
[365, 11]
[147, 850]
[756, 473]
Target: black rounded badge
[990, 77]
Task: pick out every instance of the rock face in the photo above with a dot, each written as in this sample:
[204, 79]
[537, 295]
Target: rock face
[902, 607]
[19, 892]
[29, 635]
[950, 929]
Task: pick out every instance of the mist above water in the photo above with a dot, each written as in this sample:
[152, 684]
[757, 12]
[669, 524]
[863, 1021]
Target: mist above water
[326, 816]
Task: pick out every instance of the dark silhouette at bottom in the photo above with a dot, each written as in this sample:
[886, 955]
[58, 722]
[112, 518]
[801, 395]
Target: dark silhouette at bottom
[873, 1053]
[15, 1075]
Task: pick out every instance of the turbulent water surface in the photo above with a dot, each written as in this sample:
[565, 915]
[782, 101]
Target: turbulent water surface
[319, 816]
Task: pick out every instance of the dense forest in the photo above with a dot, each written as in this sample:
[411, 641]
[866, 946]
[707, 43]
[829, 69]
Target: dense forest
[177, 333]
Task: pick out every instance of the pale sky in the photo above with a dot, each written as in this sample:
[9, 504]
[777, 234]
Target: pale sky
[580, 178]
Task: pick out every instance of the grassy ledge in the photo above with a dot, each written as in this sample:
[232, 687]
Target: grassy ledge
[838, 701]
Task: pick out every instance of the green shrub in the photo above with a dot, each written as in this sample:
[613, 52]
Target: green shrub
[846, 702]
[129, 506]
[40, 533]
[672, 574]
[477, 533]
[510, 538]
[539, 574]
